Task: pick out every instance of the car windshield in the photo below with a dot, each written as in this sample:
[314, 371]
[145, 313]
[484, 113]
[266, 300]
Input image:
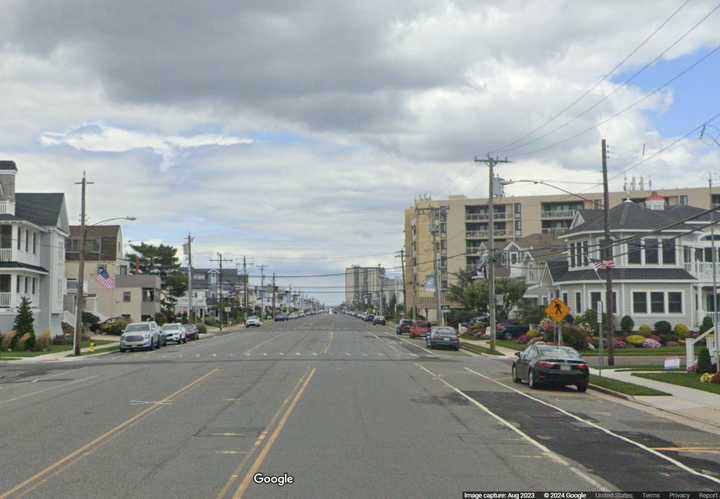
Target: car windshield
[558, 352]
[422, 324]
[252, 318]
[443, 330]
[135, 328]
[171, 327]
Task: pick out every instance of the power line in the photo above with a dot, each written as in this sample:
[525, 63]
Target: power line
[587, 92]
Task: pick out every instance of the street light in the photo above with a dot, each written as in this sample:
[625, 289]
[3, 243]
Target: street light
[81, 278]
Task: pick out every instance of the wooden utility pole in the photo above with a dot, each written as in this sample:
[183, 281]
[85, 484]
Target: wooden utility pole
[606, 259]
[273, 297]
[262, 291]
[492, 307]
[402, 266]
[189, 276]
[77, 337]
[220, 261]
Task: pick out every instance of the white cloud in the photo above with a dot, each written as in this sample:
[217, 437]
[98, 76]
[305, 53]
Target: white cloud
[97, 137]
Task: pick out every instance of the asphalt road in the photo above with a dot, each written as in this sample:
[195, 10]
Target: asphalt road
[343, 408]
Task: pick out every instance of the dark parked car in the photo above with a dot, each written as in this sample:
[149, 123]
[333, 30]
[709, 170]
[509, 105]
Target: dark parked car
[510, 330]
[192, 332]
[443, 336]
[369, 318]
[403, 327]
[378, 320]
[545, 364]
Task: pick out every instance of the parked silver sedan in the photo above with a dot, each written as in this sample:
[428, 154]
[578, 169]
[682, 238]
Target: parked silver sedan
[175, 332]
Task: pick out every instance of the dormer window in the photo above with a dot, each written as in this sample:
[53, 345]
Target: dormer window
[652, 254]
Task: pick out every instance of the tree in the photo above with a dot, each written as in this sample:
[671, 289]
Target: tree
[512, 290]
[456, 292]
[24, 323]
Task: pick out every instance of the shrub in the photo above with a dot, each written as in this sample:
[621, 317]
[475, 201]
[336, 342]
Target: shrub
[575, 337]
[43, 341]
[635, 340]
[212, 321]
[533, 333]
[644, 330]
[523, 339]
[202, 328]
[90, 319]
[663, 327]
[682, 330]
[650, 343]
[656, 338]
[22, 343]
[672, 344]
[8, 341]
[115, 328]
[627, 324]
[160, 318]
[618, 344]
[707, 323]
[704, 364]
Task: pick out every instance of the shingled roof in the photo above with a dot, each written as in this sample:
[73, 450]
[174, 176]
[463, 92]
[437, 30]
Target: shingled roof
[43, 209]
[631, 216]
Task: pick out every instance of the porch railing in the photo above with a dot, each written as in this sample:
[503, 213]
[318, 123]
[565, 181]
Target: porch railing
[5, 299]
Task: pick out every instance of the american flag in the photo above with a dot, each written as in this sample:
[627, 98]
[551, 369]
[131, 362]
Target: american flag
[104, 279]
[602, 264]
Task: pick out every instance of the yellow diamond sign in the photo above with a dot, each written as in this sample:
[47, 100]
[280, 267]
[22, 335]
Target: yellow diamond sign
[557, 310]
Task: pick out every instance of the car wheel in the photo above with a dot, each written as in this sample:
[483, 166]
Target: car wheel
[514, 375]
[582, 387]
[531, 380]
[122, 350]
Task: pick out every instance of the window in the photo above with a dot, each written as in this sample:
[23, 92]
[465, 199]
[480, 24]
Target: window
[606, 250]
[651, 251]
[586, 253]
[27, 285]
[518, 210]
[34, 243]
[127, 296]
[683, 200]
[34, 285]
[578, 302]
[675, 302]
[668, 251]
[19, 239]
[578, 254]
[565, 298]
[17, 284]
[687, 253]
[594, 299]
[572, 255]
[27, 241]
[639, 303]
[657, 302]
[635, 252]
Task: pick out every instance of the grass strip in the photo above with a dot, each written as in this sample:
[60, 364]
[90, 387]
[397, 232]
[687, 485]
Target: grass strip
[471, 347]
[625, 387]
[688, 380]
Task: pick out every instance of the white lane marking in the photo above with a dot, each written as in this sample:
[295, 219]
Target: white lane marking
[347, 353]
[264, 354]
[149, 402]
[364, 355]
[231, 452]
[314, 354]
[19, 397]
[297, 353]
[601, 428]
[546, 452]
[281, 354]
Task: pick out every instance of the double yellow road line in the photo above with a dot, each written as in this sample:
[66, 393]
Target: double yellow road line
[27, 486]
[264, 444]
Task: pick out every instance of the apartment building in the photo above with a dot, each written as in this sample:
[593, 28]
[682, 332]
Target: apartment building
[459, 228]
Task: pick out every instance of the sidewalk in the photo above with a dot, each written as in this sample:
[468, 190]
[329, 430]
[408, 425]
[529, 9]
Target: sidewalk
[507, 352]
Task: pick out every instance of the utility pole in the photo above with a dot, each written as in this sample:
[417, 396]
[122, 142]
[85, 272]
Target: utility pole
[273, 297]
[714, 274]
[382, 291]
[262, 291]
[438, 308]
[402, 265]
[608, 257]
[245, 287]
[77, 337]
[220, 261]
[189, 276]
[492, 308]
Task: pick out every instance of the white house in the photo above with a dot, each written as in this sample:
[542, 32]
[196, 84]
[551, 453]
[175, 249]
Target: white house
[662, 263]
[33, 230]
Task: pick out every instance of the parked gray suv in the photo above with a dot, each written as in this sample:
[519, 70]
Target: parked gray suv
[140, 336]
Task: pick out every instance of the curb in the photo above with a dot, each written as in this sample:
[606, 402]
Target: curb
[613, 393]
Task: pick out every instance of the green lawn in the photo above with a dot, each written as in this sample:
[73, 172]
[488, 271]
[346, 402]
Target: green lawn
[623, 387]
[682, 379]
[510, 344]
[477, 348]
[648, 368]
[622, 352]
[51, 349]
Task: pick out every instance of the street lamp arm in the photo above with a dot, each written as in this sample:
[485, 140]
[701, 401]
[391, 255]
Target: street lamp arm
[131, 219]
[542, 182]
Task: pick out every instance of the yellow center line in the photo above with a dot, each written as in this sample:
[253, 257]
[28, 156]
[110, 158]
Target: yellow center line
[34, 481]
[268, 446]
[236, 473]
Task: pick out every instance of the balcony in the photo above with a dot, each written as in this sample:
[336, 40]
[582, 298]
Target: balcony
[483, 234]
[7, 207]
[484, 217]
[557, 214]
[702, 271]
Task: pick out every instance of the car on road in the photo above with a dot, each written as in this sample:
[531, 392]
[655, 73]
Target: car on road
[379, 320]
[140, 336]
[551, 365]
[192, 332]
[253, 321]
[281, 318]
[420, 329]
[443, 336]
[403, 327]
[369, 318]
[174, 332]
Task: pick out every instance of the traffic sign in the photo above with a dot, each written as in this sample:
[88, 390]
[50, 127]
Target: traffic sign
[557, 310]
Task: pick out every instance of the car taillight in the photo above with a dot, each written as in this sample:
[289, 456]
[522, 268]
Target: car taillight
[547, 365]
[582, 367]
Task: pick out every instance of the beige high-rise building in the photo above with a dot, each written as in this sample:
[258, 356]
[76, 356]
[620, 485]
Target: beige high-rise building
[462, 224]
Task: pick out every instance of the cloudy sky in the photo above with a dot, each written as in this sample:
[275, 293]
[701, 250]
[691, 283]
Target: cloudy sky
[296, 132]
